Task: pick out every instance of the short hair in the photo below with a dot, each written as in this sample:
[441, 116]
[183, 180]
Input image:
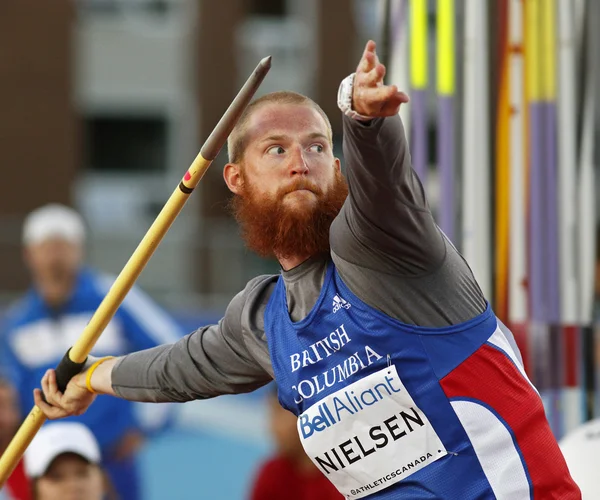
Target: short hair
[237, 140]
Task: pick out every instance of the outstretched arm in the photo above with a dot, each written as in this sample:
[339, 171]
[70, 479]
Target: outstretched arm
[211, 361]
[386, 216]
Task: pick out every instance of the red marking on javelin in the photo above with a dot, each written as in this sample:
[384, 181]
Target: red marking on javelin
[187, 176]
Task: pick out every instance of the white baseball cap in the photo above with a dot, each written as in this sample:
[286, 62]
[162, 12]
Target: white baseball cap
[53, 221]
[55, 439]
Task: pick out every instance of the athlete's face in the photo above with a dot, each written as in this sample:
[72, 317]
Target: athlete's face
[70, 477]
[289, 186]
[289, 154]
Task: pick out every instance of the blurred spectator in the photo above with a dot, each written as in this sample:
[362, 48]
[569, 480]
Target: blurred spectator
[63, 463]
[17, 486]
[290, 474]
[48, 320]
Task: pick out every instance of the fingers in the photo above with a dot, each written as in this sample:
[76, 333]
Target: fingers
[379, 101]
[52, 384]
[58, 405]
[373, 97]
[45, 387]
[370, 71]
[370, 96]
[369, 58]
[51, 412]
[392, 106]
[372, 78]
[53, 396]
[51, 407]
[403, 97]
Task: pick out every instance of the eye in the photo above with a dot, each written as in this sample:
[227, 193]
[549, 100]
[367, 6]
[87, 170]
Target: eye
[275, 150]
[316, 148]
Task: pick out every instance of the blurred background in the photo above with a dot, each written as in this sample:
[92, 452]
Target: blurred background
[105, 103]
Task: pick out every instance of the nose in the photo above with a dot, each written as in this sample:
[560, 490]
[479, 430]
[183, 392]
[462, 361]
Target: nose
[298, 163]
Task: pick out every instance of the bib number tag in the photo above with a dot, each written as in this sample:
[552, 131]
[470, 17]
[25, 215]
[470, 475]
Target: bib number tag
[369, 435]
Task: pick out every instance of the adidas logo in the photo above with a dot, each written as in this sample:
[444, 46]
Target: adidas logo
[338, 303]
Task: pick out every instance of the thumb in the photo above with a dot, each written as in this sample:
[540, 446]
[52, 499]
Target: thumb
[392, 105]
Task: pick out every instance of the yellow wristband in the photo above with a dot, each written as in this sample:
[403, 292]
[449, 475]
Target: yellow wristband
[90, 372]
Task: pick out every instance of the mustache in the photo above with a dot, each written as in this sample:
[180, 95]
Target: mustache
[298, 185]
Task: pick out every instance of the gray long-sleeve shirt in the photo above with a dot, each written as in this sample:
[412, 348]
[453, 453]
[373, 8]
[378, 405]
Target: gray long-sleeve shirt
[387, 249]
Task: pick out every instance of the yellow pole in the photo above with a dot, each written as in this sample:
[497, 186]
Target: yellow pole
[418, 44]
[445, 47]
[547, 50]
[80, 350]
[533, 65]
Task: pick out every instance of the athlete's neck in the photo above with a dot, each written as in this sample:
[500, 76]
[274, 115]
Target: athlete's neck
[292, 262]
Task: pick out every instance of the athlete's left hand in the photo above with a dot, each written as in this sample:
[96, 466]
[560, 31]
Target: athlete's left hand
[370, 97]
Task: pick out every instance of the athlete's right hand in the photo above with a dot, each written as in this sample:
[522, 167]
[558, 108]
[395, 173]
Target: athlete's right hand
[74, 401]
[370, 96]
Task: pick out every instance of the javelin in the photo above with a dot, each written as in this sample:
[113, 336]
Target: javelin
[74, 360]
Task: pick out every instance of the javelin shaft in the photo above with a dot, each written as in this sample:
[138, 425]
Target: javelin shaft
[108, 307]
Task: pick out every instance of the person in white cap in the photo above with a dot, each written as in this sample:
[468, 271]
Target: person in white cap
[63, 463]
[41, 327]
[53, 242]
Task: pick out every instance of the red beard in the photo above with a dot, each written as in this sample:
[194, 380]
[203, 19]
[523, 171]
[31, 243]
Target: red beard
[272, 229]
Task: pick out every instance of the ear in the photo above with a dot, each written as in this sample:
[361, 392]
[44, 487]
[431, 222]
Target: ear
[233, 177]
[337, 165]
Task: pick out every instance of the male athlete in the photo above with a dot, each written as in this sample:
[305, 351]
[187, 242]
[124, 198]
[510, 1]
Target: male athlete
[380, 340]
